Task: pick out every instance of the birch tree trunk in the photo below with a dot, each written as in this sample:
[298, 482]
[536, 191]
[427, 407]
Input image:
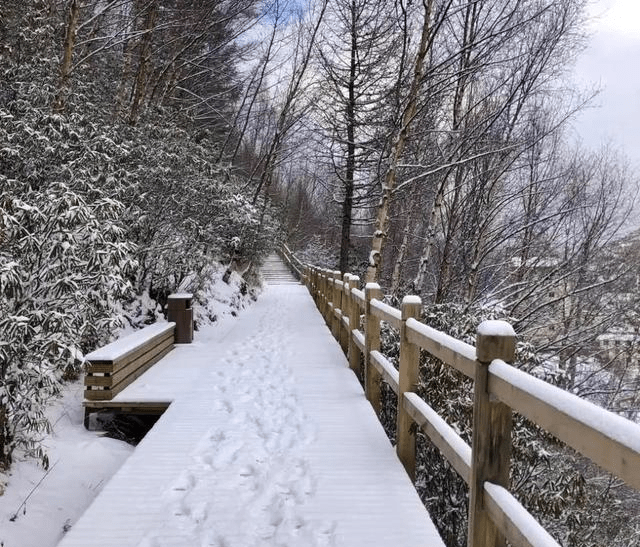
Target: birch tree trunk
[390, 180]
[404, 247]
[457, 121]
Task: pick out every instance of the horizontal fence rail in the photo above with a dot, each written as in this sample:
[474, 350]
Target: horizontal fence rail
[354, 314]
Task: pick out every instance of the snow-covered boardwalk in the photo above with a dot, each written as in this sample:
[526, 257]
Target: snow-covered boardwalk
[268, 441]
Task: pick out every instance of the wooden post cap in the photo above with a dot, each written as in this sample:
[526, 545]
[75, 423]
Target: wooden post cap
[495, 340]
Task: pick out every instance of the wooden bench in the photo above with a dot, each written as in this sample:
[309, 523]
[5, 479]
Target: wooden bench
[113, 367]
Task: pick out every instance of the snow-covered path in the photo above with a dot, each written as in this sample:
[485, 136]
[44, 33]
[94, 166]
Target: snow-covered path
[268, 441]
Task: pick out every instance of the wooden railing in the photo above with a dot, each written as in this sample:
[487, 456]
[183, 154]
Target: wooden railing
[295, 265]
[494, 514]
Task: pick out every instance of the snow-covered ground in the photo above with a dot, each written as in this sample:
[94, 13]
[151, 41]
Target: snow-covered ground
[269, 441]
[37, 506]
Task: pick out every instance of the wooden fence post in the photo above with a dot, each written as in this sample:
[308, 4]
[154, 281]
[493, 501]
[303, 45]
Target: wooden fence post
[318, 287]
[354, 323]
[409, 371]
[491, 436]
[328, 296]
[314, 285]
[180, 312]
[337, 304]
[326, 291]
[371, 343]
[345, 307]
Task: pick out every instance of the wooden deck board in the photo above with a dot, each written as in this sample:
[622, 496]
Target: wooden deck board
[344, 453]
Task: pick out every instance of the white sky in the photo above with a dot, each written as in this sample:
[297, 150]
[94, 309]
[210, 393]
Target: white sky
[612, 62]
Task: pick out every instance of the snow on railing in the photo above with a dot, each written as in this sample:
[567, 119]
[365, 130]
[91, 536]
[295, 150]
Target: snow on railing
[494, 514]
[292, 261]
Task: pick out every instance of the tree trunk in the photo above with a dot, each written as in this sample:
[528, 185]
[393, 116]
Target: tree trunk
[5, 456]
[284, 118]
[390, 180]
[65, 64]
[458, 115]
[347, 204]
[144, 62]
[396, 277]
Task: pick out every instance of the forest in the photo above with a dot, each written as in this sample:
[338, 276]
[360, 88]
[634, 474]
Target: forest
[424, 145]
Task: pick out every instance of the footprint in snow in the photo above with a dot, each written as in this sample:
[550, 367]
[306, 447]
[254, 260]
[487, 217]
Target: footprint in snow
[223, 404]
[226, 454]
[185, 482]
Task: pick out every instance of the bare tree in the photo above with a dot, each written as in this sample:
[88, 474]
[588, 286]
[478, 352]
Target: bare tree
[293, 104]
[430, 28]
[359, 55]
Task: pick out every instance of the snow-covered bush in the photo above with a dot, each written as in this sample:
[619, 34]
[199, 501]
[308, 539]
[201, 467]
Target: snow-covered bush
[183, 212]
[64, 269]
[99, 219]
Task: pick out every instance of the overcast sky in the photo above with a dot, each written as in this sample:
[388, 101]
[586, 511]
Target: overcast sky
[612, 61]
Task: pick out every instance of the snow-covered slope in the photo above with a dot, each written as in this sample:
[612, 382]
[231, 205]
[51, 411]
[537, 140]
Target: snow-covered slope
[37, 505]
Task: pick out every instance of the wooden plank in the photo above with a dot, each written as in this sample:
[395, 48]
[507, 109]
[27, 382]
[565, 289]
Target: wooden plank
[385, 369]
[104, 353]
[98, 381]
[98, 394]
[387, 313]
[168, 338]
[100, 365]
[139, 371]
[126, 369]
[152, 409]
[609, 440]
[442, 435]
[455, 353]
[358, 296]
[358, 339]
[138, 405]
[104, 367]
[513, 520]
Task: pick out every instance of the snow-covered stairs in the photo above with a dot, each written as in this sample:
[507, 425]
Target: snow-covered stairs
[275, 272]
[269, 441]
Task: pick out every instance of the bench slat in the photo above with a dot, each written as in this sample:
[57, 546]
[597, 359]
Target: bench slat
[131, 343]
[96, 362]
[107, 394]
[116, 375]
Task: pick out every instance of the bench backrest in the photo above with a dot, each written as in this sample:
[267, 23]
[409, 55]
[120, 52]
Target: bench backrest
[113, 367]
